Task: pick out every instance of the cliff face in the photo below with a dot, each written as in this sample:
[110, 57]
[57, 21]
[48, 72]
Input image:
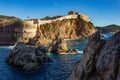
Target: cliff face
[41, 32]
[26, 31]
[101, 60]
[7, 29]
[66, 28]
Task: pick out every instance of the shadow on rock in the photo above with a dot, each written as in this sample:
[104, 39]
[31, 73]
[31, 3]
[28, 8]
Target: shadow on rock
[101, 60]
[27, 57]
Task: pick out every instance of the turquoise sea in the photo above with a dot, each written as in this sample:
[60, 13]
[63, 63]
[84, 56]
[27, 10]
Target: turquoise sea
[59, 69]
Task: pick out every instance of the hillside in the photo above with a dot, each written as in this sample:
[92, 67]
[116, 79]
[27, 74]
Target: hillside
[6, 20]
[109, 28]
[7, 29]
[2, 17]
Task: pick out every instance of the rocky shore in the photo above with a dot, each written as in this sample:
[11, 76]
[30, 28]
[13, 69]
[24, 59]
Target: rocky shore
[26, 57]
[29, 57]
[101, 60]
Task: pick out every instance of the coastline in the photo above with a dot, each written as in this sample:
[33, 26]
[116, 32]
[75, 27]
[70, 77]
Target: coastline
[74, 39]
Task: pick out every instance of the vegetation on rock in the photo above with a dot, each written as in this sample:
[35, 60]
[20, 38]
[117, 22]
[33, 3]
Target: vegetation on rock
[109, 28]
[8, 17]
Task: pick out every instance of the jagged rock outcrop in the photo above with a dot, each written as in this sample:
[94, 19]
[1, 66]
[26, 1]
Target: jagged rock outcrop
[58, 46]
[101, 60]
[26, 57]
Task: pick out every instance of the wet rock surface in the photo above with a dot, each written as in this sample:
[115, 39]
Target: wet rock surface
[58, 46]
[101, 60]
[26, 57]
[72, 51]
[59, 69]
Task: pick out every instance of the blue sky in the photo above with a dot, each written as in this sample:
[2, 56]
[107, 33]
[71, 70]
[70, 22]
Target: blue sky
[101, 12]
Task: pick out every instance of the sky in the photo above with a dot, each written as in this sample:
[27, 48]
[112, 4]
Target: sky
[101, 12]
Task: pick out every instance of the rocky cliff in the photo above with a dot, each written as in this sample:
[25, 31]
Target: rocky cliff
[66, 28]
[101, 60]
[41, 32]
[7, 29]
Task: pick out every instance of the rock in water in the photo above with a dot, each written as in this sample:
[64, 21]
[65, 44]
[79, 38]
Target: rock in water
[58, 46]
[101, 60]
[27, 57]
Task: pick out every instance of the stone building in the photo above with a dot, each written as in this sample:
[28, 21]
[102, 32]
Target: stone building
[72, 13]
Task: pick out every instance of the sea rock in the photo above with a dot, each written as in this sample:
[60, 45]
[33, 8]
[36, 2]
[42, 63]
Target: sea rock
[58, 46]
[108, 63]
[72, 51]
[27, 57]
[37, 41]
[101, 60]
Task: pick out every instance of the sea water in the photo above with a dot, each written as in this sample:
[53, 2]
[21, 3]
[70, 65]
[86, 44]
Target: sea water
[59, 69]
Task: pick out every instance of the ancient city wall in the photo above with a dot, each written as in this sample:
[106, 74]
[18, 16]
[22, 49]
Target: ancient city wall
[85, 17]
[28, 30]
[74, 16]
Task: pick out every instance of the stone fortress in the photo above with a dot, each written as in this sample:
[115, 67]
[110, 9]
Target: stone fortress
[29, 28]
[13, 30]
[71, 15]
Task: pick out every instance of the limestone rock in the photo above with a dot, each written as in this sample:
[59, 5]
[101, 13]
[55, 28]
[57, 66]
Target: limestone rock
[72, 51]
[65, 28]
[58, 46]
[27, 57]
[108, 63]
[101, 60]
